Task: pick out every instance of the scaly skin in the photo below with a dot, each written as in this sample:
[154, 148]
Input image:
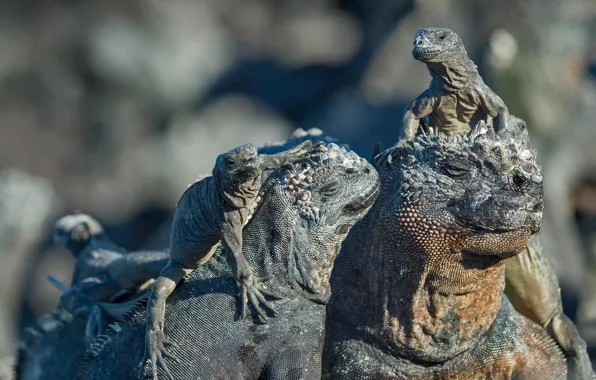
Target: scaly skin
[456, 100]
[533, 288]
[422, 296]
[457, 97]
[214, 208]
[55, 346]
[292, 238]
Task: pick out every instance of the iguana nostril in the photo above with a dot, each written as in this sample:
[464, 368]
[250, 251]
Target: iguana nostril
[366, 170]
[537, 207]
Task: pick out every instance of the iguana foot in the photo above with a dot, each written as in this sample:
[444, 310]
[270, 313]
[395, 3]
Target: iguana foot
[253, 292]
[155, 351]
[76, 303]
[299, 154]
[574, 347]
[94, 324]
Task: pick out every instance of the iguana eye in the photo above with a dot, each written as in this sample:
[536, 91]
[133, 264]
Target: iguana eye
[330, 189]
[454, 170]
[518, 180]
[230, 161]
[443, 36]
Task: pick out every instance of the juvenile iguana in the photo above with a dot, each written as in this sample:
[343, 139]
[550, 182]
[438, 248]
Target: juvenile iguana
[457, 97]
[293, 238]
[422, 297]
[103, 272]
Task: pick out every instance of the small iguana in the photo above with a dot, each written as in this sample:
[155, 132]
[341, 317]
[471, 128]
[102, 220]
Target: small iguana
[292, 238]
[103, 272]
[214, 208]
[422, 296]
[457, 97]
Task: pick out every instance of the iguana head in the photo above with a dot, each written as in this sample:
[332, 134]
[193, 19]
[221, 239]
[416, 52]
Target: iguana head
[308, 211]
[433, 45]
[337, 191]
[74, 231]
[481, 191]
[237, 166]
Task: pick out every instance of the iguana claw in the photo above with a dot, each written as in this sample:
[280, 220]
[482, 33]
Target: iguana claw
[252, 291]
[94, 324]
[156, 352]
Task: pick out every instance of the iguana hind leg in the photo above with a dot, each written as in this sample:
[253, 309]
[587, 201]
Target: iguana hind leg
[155, 340]
[533, 289]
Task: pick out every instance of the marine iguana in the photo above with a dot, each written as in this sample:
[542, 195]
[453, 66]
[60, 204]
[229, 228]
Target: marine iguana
[212, 209]
[54, 346]
[103, 272]
[457, 97]
[422, 297]
[293, 238]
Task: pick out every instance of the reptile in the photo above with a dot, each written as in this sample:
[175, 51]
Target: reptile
[103, 272]
[457, 97]
[423, 296]
[214, 209]
[292, 238]
[533, 289]
[54, 346]
[108, 284]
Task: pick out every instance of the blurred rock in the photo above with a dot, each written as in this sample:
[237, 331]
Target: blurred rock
[6, 368]
[27, 205]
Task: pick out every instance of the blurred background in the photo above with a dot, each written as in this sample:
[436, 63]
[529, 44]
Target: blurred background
[112, 107]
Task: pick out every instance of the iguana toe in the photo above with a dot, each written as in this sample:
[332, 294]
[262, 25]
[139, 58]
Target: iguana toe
[94, 324]
[253, 293]
[157, 353]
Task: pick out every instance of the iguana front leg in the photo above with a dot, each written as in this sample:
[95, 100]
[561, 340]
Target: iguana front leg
[155, 339]
[421, 107]
[495, 107]
[250, 286]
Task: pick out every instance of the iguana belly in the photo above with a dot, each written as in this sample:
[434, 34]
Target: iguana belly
[457, 113]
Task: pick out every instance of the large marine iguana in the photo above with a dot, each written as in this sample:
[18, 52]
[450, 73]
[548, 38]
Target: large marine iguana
[423, 297]
[293, 238]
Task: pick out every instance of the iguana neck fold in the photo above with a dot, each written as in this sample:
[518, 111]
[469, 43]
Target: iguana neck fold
[454, 74]
[432, 300]
[290, 257]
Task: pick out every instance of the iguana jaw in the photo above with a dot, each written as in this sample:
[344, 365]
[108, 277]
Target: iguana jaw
[361, 203]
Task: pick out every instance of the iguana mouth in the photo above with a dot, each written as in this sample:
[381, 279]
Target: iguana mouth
[362, 202]
[421, 53]
[480, 226]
